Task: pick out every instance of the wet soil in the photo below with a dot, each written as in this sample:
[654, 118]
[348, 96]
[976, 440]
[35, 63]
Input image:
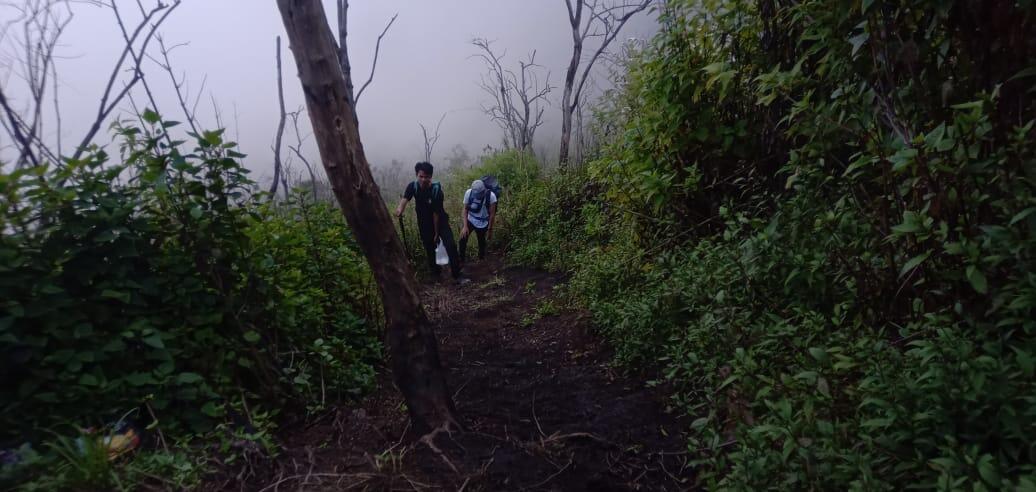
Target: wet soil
[542, 407]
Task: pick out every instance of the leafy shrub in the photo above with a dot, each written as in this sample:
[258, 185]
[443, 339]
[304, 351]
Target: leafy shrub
[819, 230]
[157, 282]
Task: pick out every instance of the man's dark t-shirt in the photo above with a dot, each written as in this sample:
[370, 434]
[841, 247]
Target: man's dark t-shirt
[426, 201]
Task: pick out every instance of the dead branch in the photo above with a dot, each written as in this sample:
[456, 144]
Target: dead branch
[178, 86]
[374, 64]
[429, 440]
[41, 28]
[612, 23]
[138, 58]
[517, 98]
[297, 149]
[108, 101]
[280, 125]
[552, 476]
[343, 50]
[430, 141]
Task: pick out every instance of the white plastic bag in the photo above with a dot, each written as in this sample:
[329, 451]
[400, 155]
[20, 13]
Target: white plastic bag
[441, 258]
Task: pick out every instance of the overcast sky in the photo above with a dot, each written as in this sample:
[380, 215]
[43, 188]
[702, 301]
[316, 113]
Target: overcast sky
[425, 68]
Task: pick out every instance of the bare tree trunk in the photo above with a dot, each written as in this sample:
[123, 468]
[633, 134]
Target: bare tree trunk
[604, 21]
[430, 140]
[408, 335]
[580, 148]
[566, 133]
[575, 19]
[280, 127]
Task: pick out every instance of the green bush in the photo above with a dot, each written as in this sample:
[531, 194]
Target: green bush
[817, 227]
[156, 282]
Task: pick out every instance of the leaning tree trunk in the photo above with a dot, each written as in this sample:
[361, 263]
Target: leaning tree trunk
[566, 106]
[408, 332]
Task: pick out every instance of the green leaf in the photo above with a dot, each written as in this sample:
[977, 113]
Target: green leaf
[251, 336]
[726, 382]
[51, 289]
[1025, 361]
[823, 387]
[865, 5]
[1028, 72]
[1022, 215]
[114, 294]
[196, 212]
[988, 470]
[212, 410]
[139, 378]
[902, 159]
[913, 263]
[154, 341]
[968, 105]
[88, 380]
[819, 354]
[189, 378]
[150, 116]
[912, 223]
[714, 68]
[977, 279]
[857, 41]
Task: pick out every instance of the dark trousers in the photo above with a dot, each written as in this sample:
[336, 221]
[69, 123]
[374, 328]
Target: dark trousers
[427, 239]
[481, 234]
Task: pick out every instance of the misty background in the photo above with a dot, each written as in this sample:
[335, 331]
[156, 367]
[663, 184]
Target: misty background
[425, 68]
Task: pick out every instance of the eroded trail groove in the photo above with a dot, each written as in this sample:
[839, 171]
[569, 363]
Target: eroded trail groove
[542, 407]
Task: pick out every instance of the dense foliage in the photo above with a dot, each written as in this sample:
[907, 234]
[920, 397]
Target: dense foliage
[153, 285]
[816, 219]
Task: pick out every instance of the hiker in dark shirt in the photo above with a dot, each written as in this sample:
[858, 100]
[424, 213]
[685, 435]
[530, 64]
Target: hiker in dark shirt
[432, 221]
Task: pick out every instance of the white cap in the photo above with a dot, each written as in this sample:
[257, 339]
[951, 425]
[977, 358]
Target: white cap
[477, 185]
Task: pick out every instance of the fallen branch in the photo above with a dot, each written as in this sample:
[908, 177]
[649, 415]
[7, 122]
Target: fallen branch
[552, 476]
[429, 440]
[365, 476]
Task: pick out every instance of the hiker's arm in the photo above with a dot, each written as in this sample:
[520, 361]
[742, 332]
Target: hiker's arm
[492, 218]
[464, 222]
[401, 207]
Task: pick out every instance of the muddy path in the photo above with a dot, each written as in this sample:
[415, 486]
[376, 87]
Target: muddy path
[542, 406]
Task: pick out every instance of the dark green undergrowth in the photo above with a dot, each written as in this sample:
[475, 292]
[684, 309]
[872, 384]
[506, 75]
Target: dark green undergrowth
[814, 220]
[154, 286]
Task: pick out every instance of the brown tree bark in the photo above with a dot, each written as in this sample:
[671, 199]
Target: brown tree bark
[408, 333]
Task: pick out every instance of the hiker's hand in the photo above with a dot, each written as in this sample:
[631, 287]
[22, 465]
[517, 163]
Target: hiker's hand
[489, 234]
[464, 232]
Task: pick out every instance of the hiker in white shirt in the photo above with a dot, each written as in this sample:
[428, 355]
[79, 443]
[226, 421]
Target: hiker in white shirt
[479, 214]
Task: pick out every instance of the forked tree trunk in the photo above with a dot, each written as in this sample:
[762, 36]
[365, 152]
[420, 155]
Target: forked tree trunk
[408, 333]
[609, 19]
[575, 19]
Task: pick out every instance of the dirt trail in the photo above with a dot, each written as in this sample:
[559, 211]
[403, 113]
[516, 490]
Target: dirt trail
[543, 409]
